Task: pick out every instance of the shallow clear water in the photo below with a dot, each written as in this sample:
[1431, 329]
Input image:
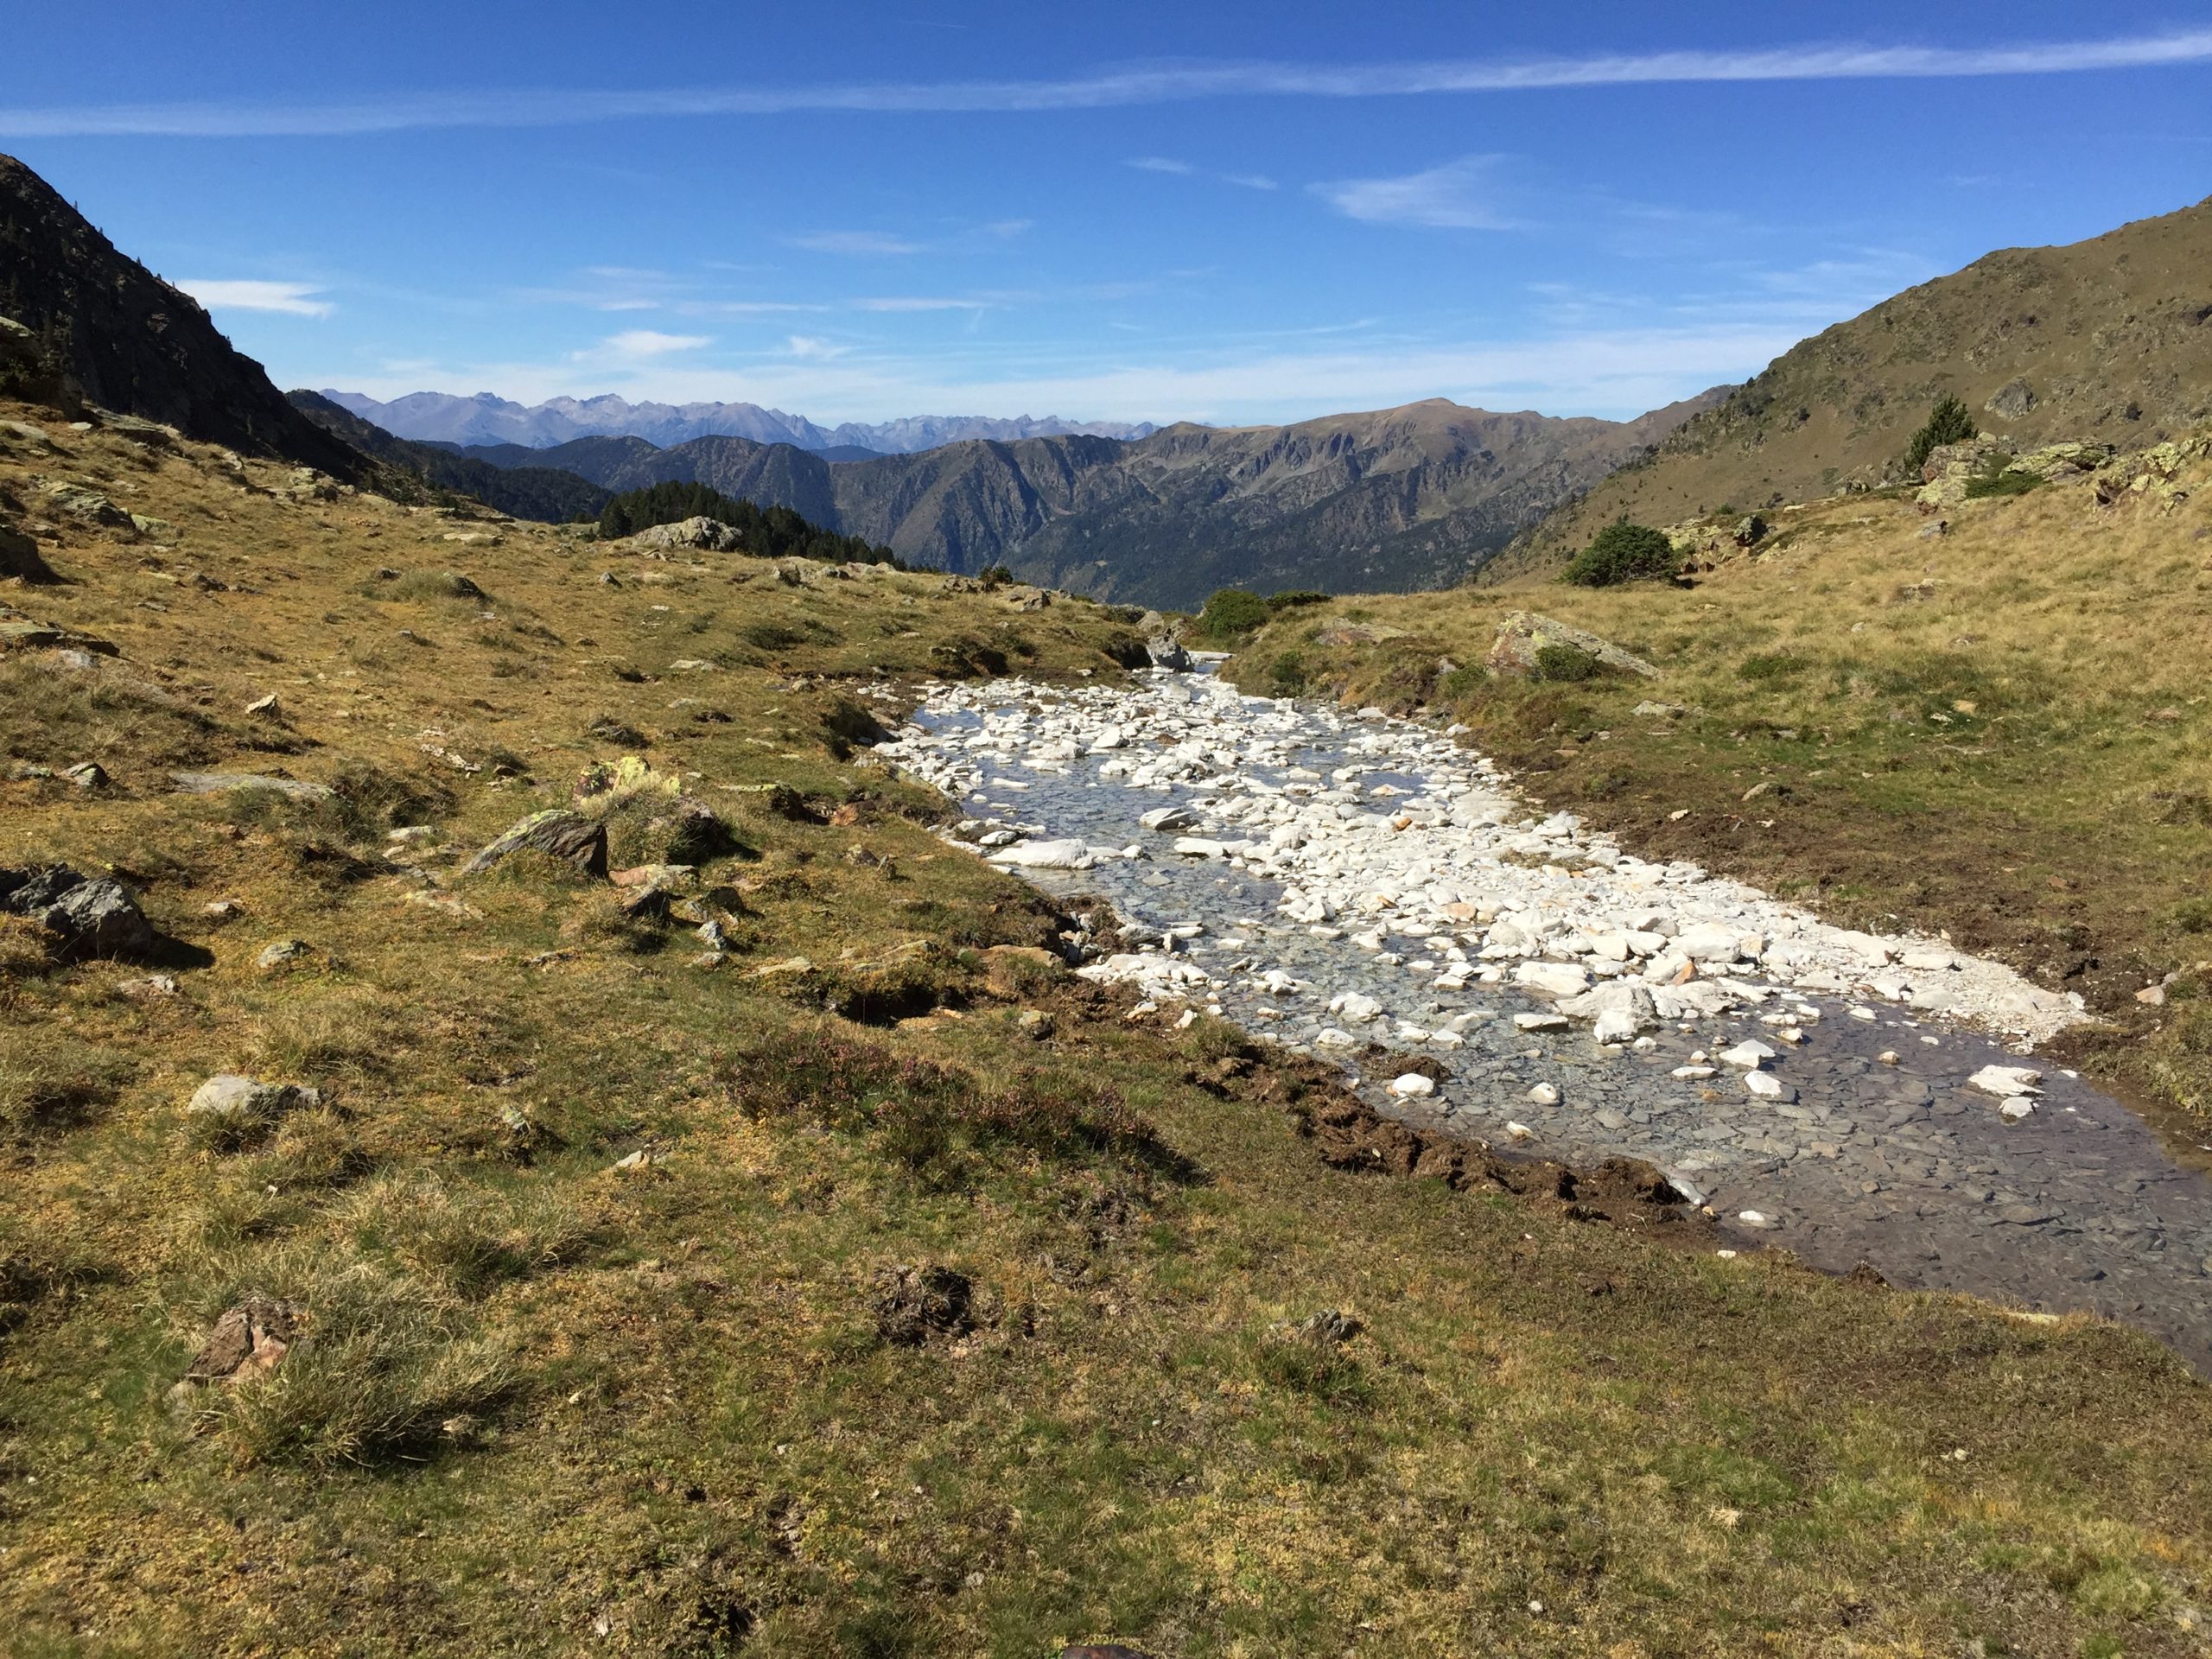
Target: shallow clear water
[1900, 1166]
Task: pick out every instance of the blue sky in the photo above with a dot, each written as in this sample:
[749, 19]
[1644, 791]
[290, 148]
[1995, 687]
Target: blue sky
[1227, 212]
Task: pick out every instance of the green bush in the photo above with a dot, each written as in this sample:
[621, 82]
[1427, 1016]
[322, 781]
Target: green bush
[1291, 598]
[2000, 484]
[1463, 683]
[1287, 676]
[1232, 612]
[1564, 664]
[1949, 422]
[1622, 552]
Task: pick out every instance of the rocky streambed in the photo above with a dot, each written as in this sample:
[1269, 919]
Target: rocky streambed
[1363, 888]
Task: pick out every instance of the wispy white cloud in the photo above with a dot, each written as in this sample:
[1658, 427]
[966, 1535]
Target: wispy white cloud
[1139, 85]
[650, 342]
[1188, 171]
[863, 244]
[816, 348]
[293, 299]
[896, 304]
[1458, 195]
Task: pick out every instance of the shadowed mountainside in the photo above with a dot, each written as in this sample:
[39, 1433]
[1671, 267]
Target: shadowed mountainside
[117, 336]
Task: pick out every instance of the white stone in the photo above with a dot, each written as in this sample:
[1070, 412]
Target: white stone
[1544, 1095]
[1069, 854]
[1766, 1086]
[2006, 1080]
[1412, 1086]
[1750, 1053]
[1557, 978]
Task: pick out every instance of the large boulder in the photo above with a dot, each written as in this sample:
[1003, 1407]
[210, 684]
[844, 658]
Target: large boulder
[559, 834]
[91, 917]
[88, 507]
[20, 558]
[1523, 634]
[707, 535]
[2012, 400]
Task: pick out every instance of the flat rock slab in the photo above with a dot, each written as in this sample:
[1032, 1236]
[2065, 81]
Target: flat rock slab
[215, 783]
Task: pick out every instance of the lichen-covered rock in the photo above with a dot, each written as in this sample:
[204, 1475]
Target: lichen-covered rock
[2012, 400]
[707, 535]
[1523, 634]
[88, 506]
[566, 836]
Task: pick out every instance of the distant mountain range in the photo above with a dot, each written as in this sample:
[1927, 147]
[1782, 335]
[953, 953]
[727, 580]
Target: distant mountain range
[2107, 340]
[440, 417]
[1394, 499]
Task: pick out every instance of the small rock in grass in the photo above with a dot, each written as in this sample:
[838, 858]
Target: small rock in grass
[285, 953]
[245, 1103]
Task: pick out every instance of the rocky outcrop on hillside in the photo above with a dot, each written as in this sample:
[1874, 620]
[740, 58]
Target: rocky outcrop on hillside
[2103, 342]
[108, 332]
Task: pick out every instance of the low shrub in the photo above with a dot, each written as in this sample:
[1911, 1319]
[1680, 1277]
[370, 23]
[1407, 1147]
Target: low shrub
[1995, 484]
[1622, 552]
[1286, 675]
[1564, 664]
[1232, 612]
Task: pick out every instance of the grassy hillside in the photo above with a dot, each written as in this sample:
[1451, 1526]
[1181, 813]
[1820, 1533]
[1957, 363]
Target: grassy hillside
[2107, 340]
[2001, 730]
[804, 1297]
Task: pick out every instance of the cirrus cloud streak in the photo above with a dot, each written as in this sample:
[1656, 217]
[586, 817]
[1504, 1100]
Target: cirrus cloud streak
[1138, 84]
